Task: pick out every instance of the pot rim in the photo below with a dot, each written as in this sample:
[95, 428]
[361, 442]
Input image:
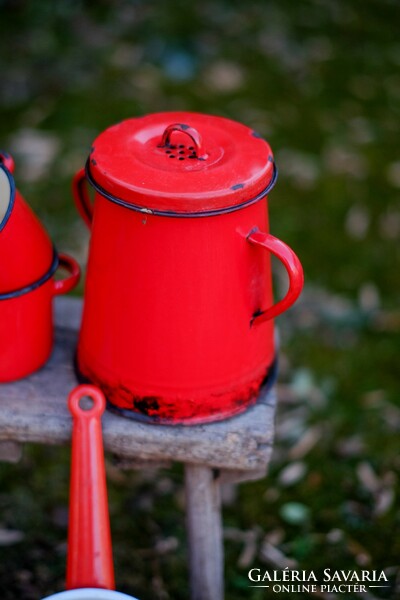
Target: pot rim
[12, 190]
[33, 286]
[167, 213]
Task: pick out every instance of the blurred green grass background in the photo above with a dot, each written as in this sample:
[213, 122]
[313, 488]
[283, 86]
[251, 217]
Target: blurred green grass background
[320, 80]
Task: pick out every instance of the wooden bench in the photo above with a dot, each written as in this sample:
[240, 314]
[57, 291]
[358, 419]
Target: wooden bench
[238, 449]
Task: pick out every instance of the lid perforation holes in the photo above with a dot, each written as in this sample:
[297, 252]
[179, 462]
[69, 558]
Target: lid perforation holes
[183, 153]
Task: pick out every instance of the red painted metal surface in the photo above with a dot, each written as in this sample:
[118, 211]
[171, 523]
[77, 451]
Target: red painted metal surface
[178, 312]
[182, 162]
[26, 321]
[89, 561]
[25, 247]
[293, 268]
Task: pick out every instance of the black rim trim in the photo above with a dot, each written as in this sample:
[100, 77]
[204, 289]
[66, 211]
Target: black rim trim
[267, 384]
[35, 284]
[12, 192]
[166, 213]
[154, 420]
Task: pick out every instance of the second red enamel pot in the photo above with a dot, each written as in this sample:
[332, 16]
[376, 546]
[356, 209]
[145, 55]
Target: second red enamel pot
[26, 320]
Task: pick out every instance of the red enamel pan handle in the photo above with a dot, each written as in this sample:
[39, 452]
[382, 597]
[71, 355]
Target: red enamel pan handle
[82, 198]
[89, 561]
[62, 286]
[293, 268]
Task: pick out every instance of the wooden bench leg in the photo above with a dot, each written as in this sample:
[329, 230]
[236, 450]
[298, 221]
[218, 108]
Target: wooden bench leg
[204, 530]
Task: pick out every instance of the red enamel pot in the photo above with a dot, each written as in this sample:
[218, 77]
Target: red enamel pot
[26, 320]
[178, 309]
[27, 284]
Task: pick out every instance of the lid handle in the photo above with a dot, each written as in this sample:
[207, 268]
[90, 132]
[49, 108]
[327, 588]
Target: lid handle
[188, 130]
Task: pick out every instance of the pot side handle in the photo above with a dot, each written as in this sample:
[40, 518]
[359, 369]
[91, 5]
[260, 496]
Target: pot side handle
[62, 286]
[293, 267]
[82, 198]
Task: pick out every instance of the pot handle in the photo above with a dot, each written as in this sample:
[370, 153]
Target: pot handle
[89, 560]
[81, 197]
[293, 268]
[62, 286]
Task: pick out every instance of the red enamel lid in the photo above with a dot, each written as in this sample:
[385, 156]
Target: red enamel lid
[181, 162]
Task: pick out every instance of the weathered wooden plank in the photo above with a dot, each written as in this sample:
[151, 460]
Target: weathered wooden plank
[34, 410]
[204, 530]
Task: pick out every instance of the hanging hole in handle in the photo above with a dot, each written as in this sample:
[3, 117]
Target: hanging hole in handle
[86, 403]
[86, 400]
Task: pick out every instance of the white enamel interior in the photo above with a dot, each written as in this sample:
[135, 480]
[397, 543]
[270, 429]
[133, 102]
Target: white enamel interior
[5, 194]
